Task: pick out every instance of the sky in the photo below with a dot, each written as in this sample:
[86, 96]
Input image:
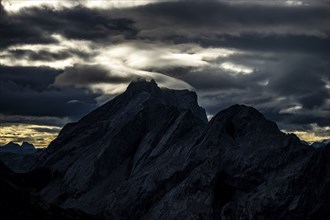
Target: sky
[62, 59]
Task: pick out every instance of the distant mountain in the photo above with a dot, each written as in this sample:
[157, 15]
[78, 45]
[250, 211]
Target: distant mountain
[320, 144]
[17, 157]
[28, 148]
[25, 148]
[11, 147]
[151, 154]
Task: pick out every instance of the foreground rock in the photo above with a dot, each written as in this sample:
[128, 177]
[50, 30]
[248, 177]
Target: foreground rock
[150, 154]
[20, 200]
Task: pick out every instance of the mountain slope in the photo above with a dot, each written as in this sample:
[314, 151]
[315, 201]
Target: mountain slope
[150, 154]
[114, 142]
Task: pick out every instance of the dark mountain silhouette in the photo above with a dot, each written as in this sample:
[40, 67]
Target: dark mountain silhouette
[319, 144]
[151, 154]
[19, 158]
[11, 147]
[25, 148]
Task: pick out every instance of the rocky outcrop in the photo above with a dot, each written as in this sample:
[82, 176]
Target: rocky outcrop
[150, 154]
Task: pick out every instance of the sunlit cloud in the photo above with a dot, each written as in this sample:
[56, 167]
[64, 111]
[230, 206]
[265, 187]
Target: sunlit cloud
[117, 3]
[159, 56]
[294, 3]
[236, 69]
[38, 135]
[112, 78]
[134, 60]
[14, 6]
[291, 110]
[63, 45]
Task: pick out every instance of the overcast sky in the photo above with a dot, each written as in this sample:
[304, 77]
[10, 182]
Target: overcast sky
[61, 59]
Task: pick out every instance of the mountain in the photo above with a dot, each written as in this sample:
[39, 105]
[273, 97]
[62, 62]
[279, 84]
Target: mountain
[11, 147]
[320, 144]
[151, 154]
[17, 157]
[25, 148]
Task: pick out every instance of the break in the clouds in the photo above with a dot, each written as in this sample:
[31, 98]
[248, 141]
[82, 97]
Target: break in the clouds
[59, 60]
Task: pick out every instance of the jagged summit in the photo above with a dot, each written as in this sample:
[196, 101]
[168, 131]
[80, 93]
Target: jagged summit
[181, 99]
[27, 145]
[143, 85]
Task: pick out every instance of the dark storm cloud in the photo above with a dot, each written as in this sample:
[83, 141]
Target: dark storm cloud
[274, 43]
[36, 25]
[211, 18]
[36, 120]
[28, 91]
[302, 78]
[301, 120]
[37, 78]
[216, 80]
[246, 26]
[16, 31]
[48, 130]
[278, 82]
[215, 13]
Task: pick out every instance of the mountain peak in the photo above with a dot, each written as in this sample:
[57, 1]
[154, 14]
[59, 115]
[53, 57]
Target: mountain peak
[245, 121]
[143, 85]
[180, 99]
[26, 145]
[12, 145]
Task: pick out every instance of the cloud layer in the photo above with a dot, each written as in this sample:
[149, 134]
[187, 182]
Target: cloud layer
[63, 60]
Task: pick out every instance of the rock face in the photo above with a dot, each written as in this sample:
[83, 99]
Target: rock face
[151, 154]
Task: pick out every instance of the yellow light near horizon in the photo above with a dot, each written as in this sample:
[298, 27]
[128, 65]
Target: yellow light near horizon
[310, 137]
[39, 135]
